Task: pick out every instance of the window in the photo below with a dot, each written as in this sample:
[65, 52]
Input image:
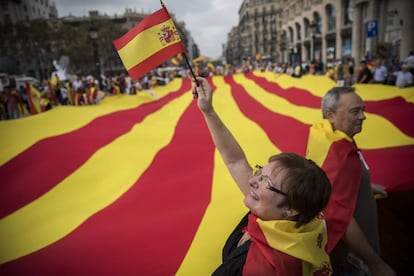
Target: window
[331, 17]
[298, 32]
[347, 8]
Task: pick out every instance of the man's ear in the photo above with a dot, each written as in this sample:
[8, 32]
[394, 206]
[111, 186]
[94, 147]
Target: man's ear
[330, 115]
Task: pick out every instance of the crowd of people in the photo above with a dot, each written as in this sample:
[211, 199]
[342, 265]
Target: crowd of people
[394, 72]
[80, 90]
[18, 100]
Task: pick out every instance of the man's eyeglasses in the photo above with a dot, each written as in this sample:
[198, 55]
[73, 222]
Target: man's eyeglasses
[270, 186]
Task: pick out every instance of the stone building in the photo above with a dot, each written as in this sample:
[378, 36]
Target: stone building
[327, 30]
[15, 11]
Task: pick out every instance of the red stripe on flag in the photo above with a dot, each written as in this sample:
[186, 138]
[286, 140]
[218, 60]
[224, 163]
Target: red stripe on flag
[153, 19]
[392, 167]
[156, 59]
[396, 110]
[49, 161]
[286, 133]
[294, 95]
[149, 229]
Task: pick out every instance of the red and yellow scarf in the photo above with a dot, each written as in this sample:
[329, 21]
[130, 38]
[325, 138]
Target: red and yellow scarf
[279, 248]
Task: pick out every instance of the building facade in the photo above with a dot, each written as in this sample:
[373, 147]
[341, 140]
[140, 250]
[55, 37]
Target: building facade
[327, 30]
[12, 11]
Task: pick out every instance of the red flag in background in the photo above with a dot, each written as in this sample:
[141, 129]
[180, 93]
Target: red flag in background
[150, 43]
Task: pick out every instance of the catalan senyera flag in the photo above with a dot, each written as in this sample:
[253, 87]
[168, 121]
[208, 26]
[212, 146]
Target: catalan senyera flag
[135, 186]
[150, 43]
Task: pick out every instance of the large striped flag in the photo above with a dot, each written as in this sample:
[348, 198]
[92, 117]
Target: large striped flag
[134, 185]
[153, 41]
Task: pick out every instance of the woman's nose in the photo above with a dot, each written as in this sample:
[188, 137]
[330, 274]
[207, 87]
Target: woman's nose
[253, 182]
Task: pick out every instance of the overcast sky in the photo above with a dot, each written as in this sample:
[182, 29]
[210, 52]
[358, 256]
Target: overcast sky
[209, 21]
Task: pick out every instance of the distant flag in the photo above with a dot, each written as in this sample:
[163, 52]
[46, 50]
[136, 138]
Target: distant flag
[54, 80]
[51, 93]
[150, 43]
[174, 61]
[180, 57]
[33, 97]
[198, 59]
[211, 67]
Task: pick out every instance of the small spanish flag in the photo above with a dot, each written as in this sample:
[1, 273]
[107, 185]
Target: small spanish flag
[153, 41]
[33, 97]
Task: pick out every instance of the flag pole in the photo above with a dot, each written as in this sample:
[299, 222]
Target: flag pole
[195, 95]
[189, 67]
[187, 62]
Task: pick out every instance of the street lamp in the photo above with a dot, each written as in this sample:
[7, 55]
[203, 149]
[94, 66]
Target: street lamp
[93, 34]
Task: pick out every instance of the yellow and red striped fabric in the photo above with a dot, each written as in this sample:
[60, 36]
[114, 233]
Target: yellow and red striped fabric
[134, 186]
[277, 248]
[338, 155]
[33, 97]
[154, 40]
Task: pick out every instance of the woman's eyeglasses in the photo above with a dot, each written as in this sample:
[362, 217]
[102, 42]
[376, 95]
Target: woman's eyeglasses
[258, 172]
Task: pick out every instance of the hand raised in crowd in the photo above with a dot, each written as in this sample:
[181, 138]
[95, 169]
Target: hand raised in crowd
[204, 94]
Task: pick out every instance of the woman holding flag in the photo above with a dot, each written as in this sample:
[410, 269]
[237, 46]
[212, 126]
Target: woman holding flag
[284, 232]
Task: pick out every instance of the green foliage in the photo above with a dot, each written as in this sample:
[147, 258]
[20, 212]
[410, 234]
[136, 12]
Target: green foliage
[37, 43]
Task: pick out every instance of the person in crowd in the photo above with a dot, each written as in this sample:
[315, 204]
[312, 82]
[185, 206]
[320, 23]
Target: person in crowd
[340, 74]
[410, 62]
[351, 215]
[13, 102]
[380, 72]
[58, 93]
[351, 66]
[404, 77]
[364, 73]
[330, 72]
[283, 233]
[297, 71]
[64, 94]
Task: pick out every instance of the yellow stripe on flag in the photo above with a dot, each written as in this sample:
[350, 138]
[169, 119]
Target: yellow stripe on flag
[134, 52]
[316, 85]
[391, 136]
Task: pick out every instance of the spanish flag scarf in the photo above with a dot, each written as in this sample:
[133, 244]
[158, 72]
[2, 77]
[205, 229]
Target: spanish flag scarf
[337, 154]
[279, 248]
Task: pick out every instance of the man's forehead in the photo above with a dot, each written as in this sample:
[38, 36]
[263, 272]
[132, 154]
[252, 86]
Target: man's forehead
[350, 99]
